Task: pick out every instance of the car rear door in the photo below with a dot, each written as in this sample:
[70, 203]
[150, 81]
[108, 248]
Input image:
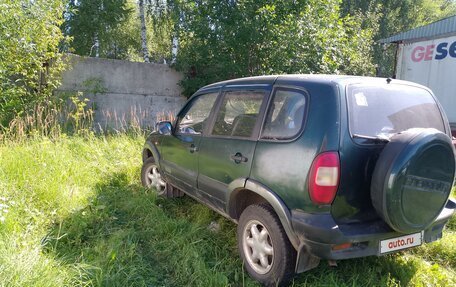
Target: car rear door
[227, 151]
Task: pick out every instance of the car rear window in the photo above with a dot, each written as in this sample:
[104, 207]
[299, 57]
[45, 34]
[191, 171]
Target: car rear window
[285, 116]
[379, 111]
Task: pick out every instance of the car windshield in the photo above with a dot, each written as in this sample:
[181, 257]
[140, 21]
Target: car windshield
[380, 111]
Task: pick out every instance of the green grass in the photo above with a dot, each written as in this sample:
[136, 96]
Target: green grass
[73, 213]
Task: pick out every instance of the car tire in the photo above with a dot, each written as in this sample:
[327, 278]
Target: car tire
[151, 178]
[264, 247]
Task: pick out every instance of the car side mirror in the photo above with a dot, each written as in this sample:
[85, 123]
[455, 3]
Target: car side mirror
[164, 128]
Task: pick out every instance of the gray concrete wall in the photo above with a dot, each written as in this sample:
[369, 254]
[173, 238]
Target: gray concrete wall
[124, 92]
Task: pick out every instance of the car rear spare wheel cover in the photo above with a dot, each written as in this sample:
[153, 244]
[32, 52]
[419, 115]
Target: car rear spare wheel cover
[412, 179]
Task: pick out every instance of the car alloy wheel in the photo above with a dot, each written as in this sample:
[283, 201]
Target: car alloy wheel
[258, 248]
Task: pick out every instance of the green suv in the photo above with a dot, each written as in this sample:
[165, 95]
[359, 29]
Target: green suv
[310, 166]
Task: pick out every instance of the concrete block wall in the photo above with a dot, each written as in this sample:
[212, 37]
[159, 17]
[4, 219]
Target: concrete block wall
[123, 92]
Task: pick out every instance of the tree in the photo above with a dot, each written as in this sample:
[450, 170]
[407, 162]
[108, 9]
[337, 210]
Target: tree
[162, 30]
[120, 29]
[96, 27]
[142, 18]
[227, 39]
[30, 62]
[394, 17]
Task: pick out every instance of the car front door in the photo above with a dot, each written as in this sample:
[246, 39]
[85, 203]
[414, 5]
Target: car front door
[179, 151]
[226, 153]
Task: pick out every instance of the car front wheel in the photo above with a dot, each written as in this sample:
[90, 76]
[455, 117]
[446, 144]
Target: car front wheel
[265, 249]
[151, 177]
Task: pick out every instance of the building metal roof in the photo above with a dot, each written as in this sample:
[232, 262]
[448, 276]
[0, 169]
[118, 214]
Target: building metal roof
[442, 27]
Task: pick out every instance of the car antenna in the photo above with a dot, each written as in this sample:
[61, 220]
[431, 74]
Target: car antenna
[388, 80]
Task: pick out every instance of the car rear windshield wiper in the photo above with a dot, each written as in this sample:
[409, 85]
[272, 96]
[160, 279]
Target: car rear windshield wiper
[377, 139]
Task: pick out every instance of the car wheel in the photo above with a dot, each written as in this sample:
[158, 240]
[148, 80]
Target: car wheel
[151, 178]
[265, 249]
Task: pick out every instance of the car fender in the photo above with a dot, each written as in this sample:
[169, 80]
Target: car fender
[150, 148]
[277, 204]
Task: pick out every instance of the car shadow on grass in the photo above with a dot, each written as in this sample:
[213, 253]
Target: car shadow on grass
[370, 271]
[126, 236]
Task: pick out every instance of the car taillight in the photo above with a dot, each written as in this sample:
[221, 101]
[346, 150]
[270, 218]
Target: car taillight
[324, 178]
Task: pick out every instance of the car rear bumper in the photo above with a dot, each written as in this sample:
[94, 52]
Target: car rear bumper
[322, 237]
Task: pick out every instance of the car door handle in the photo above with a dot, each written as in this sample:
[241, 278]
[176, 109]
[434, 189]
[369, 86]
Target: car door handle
[238, 158]
[193, 148]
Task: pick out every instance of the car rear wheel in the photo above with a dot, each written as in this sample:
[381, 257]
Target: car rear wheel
[151, 178]
[265, 249]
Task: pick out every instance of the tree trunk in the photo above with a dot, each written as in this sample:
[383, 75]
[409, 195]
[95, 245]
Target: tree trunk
[97, 46]
[174, 49]
[142, 18]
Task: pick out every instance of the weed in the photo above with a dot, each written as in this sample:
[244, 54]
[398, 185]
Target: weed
[51, 120]
[76, 215]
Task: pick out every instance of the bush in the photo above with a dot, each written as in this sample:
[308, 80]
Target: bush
[226, 40]
[30, 62]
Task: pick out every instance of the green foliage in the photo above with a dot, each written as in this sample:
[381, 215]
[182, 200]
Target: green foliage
[50, 181]
[67, 113]
[104, 23]
[394, 17]
[219, 40]
[398, 16]
[115, 26]
[160, 30]
[442, 252]
[30, 62]
[88, 222]
[245, 38]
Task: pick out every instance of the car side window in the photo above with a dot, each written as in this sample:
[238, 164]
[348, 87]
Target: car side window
[194, 119]
[238, 113]
[285, 116]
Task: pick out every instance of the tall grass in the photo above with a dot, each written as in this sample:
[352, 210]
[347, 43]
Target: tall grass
[77, 215]
[74, 115]
[73, 213]
[134, 121]
[51, 120]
